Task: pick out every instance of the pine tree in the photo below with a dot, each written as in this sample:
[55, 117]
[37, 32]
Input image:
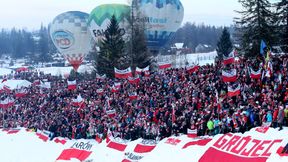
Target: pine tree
[282, 15]
[257, 23]
[43, 45]
[224, 45]
[112, 50]
[137, 46]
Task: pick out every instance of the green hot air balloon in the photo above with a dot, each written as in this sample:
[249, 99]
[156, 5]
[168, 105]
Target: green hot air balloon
[100, 17]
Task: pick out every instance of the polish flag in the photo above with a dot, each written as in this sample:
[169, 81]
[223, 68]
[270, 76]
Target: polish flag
[193, 69]
[111, 113]
[100, 91]
[234, 90]
[147, 73]
[269, 70]
[139, 70]
[20, 93]
[78, 102]
[72, 85]
[133, 96]
[134, 80]
[229, 76]
[191, 133]
[43, 135]
[117, 85]
[114, 89]
[123, 74]
[255, 74]
[8, 102]
[164, 65]
[230, 59]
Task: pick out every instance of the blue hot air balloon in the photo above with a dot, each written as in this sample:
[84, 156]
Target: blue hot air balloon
[162, 18]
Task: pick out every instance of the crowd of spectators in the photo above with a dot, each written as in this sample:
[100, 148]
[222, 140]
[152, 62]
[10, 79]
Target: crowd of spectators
[196, 101]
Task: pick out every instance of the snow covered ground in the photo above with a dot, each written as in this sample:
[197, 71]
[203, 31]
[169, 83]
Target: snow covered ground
[57, 71]
[193, 58]
[5, 71]
[259, 144]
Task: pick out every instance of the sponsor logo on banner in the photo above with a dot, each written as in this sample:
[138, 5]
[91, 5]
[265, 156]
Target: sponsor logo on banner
[63, 39]
[237, 148]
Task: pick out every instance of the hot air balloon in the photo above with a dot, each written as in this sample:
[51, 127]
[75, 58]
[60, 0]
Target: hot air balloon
[100, 17]
[162, 18]
[69, 33]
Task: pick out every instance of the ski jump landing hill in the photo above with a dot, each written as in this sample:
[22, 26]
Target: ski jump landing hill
[262, 144]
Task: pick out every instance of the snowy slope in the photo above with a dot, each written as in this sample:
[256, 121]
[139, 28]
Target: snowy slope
[258, 145]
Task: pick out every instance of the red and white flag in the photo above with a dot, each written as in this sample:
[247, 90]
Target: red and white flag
[117, 85]
[114, 89]
[229, 76]
[21, 93]
[111, 113]
[191, 133]
[123, 74]
[164, 65]
[139, 70]
[72, 85]
[7, 103]
[100, 91]
[193, 69]
[134, 80]
[269, 70]
[133, 96]
[234, 90]
[230, 59]
[255, 74]
[78, 102]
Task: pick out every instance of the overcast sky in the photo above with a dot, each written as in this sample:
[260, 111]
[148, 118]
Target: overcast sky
[30, 14]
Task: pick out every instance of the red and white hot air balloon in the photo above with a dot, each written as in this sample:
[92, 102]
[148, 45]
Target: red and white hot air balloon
[69, 33]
